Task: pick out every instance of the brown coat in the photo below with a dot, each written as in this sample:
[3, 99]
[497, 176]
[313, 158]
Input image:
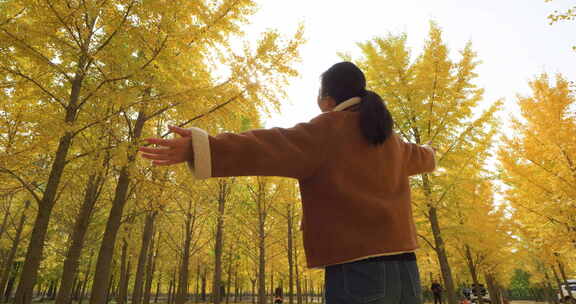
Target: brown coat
[355, 197]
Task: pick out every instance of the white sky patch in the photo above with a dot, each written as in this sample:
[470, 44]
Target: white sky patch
[513, 40]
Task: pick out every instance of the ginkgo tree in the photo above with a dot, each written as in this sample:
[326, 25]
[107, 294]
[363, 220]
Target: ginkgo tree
[539, 168]
[433, 99]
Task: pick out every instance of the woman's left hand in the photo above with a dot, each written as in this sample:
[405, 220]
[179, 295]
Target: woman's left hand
[171, 151]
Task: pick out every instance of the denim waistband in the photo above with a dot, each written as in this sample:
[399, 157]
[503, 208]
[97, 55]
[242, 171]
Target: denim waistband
[409, 256]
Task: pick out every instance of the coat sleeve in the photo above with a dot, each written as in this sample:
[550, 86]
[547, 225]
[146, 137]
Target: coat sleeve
[294, 152]
[421, 159]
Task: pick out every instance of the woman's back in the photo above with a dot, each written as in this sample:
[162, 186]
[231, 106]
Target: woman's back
[357, 204]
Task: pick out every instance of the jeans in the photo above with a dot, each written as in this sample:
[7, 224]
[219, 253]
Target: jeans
[437, 298]
[373, 281]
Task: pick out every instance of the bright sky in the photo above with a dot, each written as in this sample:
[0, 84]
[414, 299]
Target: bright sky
[513, 39]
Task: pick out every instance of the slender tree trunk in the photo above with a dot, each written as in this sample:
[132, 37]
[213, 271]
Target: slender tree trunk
[550, 296]
[297, 272]
[174, 285]
[158, 284]
[261, 264]
[236, 285]
[223, 189]
[9, 287]
[4, 223]
[142, 257]
[229, 273]
[471, 265]
[3, 251]
[306, 290]
[184, 265]
[290, 255]
[128, 273]
[102, 273]
[204, 285]
[564, 277]
[217, 281]
[170, 290]
[74, 286]
[110, 289]
[151, 267]
[253, 291]
[272, 284]
[46, 204]
[496, 295]
[13, 249]
[439, 243]
[558, 281]
[80, 227]
[123, 271]
[55, 290]
[86, 276]
[197, 292]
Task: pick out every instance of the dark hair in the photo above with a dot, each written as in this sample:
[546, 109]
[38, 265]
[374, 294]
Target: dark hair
[345, 80]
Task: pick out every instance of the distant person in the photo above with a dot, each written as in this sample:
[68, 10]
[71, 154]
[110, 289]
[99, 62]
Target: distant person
[467, 292]
[353, 171]
[436, 289]
[278, 299]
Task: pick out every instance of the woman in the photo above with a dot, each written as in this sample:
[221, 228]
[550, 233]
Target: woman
[353, 173]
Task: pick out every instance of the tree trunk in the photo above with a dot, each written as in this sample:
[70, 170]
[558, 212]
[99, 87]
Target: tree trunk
[439, 243]
[151, 268]
[236, 285]
[46, 204]
[74, 286]
[55, 290]
[272, 284]
[9, 287]
[471, 265]
[4, 223]
[223, 189]
[306, 290]
[261, 264]
[253, 291]
[290, 256]
[122, 293]
[170, 291]
[219, 240]
[86, 276]
[204, 285]
[229, 279]
[558, 281]
[174, 284]
[297, 273]
[563, 274]
[550, 296]
[495, 294]
[13, 249]
[110, 289]
[102, 273]
[80, 227]
[125, 287]
[158, 288]
[142, 257]
[184, 265]
[197, 290]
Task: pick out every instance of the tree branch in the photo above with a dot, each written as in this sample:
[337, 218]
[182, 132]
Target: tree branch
[35, 83]
[23, 182]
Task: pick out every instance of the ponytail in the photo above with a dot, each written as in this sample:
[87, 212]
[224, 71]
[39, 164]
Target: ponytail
[376, 123]
[345, 80]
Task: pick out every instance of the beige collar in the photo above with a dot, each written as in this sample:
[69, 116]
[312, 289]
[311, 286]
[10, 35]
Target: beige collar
[348, 103]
